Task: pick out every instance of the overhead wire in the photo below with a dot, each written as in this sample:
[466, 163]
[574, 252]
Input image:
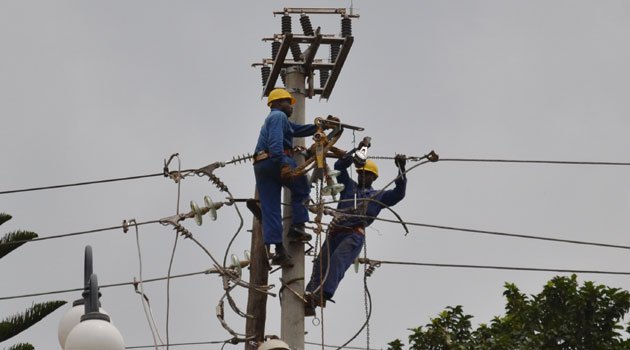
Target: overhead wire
[488, 232]
[565, 162]
[79, 233]
[146, 306]
[170, 263]
[179, 344]
[112, 285]
[499, 267]
[136, 177]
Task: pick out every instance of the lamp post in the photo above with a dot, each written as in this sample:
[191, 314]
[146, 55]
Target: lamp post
[95, 331]
[73, 316]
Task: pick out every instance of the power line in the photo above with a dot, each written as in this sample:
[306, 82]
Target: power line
[534, 269]
[506, 234]
[228, 341]
[178, 344]
[491, 267]
[78, 233]
[104, 286]
[565, 162]
[82, 183]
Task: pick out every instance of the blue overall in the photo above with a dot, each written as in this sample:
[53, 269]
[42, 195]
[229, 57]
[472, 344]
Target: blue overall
[276, 136]
[345, 240]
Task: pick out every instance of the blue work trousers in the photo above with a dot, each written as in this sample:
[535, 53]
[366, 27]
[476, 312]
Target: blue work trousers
[269, 185]
[340, 248]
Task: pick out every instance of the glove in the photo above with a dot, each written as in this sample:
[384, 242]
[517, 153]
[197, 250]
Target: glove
[366, 142]
[333, 119]
[400, 160]
[286, 173]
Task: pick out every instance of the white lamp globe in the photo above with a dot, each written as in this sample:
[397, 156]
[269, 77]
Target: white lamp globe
[70, 319]
[94, 334]
[274, 344]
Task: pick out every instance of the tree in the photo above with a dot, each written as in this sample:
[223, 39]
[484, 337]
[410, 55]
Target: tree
[564, 316]
[16, 324]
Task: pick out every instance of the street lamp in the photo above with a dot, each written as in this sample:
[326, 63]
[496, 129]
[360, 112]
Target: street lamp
[95, 331]
[73, 316]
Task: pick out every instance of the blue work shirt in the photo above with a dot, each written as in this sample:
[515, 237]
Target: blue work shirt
[367, 210]
[276, 135]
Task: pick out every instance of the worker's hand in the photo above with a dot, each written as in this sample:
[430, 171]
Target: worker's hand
[366, 142]
[330, 122]
[400, 160]
[286, 173]
[333, 119]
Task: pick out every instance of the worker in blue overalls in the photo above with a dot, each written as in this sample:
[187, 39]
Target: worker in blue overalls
[273, 168]
[347, 232]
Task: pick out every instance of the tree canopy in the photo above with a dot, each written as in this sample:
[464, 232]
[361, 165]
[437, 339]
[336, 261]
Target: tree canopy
[564, 316]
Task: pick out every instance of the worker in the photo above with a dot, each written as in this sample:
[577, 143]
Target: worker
[273, 169]
[347, 232]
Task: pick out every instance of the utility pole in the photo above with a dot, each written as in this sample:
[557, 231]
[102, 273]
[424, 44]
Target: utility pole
[292, 323]
[298, 76]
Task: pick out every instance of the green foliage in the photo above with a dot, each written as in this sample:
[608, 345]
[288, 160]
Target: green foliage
[4, 217]
[563, 316]
[22, 346]
[15, 324]
[14, 240]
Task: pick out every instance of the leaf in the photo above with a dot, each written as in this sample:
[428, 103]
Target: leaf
[14, 240]
[4, 217]
[16, 324]
[22, 346]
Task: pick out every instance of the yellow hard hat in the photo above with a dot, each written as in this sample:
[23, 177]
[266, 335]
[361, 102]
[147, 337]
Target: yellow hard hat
[369, 166]
[279, 94]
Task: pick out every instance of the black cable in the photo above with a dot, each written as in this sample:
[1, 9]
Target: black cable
[82, 183]
[78, 233]
[104, 286]
[512, 268]
[337, 346]
[178, 344]
[505, 234]
[482, 160]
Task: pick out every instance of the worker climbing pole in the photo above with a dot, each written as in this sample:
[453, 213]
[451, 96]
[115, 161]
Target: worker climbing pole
[298, 76]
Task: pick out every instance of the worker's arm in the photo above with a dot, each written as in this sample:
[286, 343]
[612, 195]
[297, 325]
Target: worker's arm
[391, 197]
[275, 129]
[342, 165]
[303, 130]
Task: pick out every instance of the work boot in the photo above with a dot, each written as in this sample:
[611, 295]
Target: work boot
[297, 233]
[281, 257]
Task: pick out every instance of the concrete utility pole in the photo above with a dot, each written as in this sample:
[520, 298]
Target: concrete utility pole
[292, 323]
[298, 75]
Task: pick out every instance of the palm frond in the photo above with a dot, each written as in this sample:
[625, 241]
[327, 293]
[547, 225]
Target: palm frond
[13, 325]
[4, 217]
[14, 240]
[22, 346]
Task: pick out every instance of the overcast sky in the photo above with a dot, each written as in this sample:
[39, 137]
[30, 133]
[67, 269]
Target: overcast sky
[95, 90]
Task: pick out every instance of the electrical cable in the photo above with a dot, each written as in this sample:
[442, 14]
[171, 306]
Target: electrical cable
[82, 183]
[512, 235]
[170, 263]
[204, 272]
[121, 284]
[511, 268]
[565, 162]
[369, 297]
[79, 233]
[179, 344]
[148, 313]
[488, 232]
[336, 346]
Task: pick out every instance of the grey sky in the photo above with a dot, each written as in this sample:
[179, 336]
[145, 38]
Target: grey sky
[94, 90]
